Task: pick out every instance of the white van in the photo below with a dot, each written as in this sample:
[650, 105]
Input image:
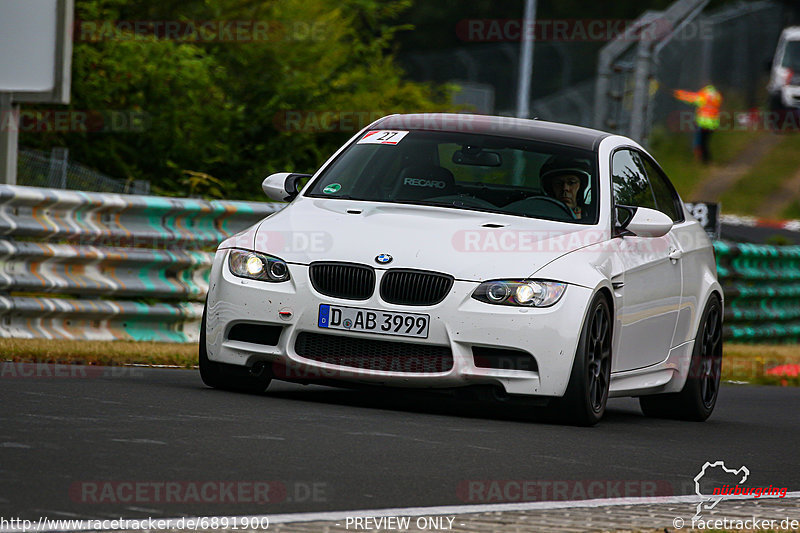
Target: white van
[784, 82]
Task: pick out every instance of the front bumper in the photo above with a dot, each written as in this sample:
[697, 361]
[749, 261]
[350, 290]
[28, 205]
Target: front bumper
[459, 322]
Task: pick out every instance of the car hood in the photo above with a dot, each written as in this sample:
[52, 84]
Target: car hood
[468, 245]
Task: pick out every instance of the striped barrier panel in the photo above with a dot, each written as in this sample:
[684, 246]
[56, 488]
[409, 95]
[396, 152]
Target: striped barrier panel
[762, 291]
[79, 265]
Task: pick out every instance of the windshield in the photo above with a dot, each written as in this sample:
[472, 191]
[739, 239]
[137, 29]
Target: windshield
[791, 56]
[466, 171]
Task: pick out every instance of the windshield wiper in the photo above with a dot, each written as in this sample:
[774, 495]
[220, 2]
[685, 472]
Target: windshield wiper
[458, 204]
[339, 197]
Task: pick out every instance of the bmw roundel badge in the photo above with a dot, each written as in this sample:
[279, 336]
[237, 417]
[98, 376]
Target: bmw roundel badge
[383, 259]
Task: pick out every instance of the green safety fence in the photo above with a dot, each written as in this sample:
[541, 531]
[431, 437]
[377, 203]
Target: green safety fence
[762, 291]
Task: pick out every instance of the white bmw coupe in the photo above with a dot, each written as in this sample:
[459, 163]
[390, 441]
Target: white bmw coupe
[533, 259]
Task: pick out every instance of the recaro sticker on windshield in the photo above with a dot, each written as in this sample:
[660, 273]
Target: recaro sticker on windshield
[382, 137]
[332, 188]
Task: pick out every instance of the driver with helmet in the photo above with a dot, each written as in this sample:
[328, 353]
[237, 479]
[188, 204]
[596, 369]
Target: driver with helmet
[566, 179]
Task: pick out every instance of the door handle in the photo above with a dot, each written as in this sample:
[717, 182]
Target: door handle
[675, 254]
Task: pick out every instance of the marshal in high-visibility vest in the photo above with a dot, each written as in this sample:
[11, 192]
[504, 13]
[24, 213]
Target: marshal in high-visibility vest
[708, 102]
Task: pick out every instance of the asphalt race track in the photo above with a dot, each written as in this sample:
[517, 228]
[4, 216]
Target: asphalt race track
[108, 444]
[757, 235]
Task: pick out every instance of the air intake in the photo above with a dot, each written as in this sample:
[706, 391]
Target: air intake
[369, 354]
[503, 359]
[265, 334]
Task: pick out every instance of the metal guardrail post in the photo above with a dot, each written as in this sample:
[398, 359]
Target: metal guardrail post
[59, 159]
[641, 90]
[9, 135]
[526, 62]
[647, 32]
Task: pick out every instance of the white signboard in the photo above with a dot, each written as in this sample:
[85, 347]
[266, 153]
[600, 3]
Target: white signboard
[36, 49]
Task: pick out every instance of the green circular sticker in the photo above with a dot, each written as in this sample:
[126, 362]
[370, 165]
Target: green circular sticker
[332, 188]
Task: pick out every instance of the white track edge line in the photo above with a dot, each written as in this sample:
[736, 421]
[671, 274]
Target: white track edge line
[332, 516]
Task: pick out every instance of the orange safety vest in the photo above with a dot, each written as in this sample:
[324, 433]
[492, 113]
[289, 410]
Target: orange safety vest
[708, 102]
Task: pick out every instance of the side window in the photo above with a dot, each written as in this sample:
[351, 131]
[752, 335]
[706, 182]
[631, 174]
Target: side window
[630, 180]
[791, 55]
[666, 198]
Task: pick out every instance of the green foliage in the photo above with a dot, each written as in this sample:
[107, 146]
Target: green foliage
[214, 112]
[749, 193]
[778, 240]
[673, 151]
[792, 212]
[435, 21]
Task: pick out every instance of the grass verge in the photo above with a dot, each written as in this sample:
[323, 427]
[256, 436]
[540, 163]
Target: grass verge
[106, 353]
[750, 362]
[674, 152]
[750, 192]
[742, 362]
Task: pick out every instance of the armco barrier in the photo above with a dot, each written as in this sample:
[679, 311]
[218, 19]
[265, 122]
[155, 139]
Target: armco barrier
[77, 265]
[762, 291]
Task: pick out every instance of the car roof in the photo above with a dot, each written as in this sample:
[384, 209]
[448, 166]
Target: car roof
[533, 130]
[791, 33]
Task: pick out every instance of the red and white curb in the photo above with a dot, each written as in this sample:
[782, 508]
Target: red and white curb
[755, 222]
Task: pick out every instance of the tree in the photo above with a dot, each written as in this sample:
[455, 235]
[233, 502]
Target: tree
[214, 106]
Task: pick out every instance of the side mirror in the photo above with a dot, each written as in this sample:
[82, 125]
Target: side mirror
[645, 222]
[283, 186]
[624, 216]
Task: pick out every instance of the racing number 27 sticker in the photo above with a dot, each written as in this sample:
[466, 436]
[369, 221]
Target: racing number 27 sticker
[382, 137]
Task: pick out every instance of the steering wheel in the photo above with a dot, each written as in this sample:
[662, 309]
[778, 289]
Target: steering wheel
[528, 206]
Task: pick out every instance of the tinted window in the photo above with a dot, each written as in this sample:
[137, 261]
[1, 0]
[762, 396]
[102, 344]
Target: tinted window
[666, 199]
[468, 171]
[791, 55]
[630, 180]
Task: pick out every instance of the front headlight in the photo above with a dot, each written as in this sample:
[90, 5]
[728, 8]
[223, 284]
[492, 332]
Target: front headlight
[523, 293]
[253, 265]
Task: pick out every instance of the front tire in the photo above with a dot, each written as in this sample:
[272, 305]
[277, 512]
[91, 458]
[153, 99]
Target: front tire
[584, 402]
[224, 376]
[698, 397]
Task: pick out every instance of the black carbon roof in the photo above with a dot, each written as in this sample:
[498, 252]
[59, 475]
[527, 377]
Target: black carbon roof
[534, 130]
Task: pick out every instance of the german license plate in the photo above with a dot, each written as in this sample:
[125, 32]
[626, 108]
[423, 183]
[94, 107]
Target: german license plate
[373, 321]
